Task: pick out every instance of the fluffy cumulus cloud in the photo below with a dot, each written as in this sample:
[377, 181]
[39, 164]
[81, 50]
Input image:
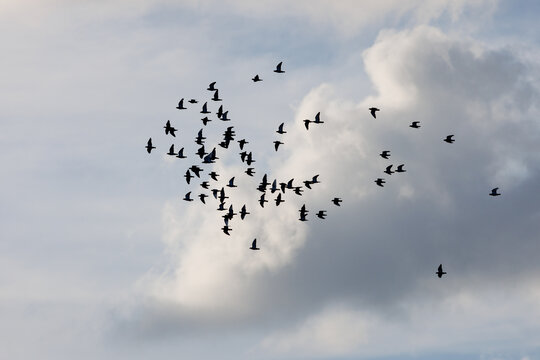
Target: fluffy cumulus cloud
[365, 276]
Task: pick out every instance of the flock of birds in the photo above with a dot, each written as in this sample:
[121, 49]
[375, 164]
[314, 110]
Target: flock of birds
[246, 157]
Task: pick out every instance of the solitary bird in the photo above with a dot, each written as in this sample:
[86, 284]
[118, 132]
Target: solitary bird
[205, 109]
[385, 154]
[262, 200]
[188, 176]
[242, 143]
[494, 192]
[181, 154]
[256, 78]
[373, 111]
[202, 196]
[250, 171]
[449, 139]
[212, 87]
[278, 68]
[277, 143]
[216, 96]
[306, 123]
[149, 146]
[192, 101]
[280, 129]
[243, 212]
[389, 170]
[321, 214]
[169, 128]
[337, 201]
[380, 182]
[400, 168]
[231, 183]
[171, 151]
[318, 119]
[415, 125]
[187, 197]
[440, 271]
[279, 200]
[181, 105]
[254, 245]
[214, 175]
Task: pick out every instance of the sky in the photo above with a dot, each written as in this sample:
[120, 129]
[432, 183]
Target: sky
[101, 258]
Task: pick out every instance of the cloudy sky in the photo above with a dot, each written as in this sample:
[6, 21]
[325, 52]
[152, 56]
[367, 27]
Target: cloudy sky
[101, 259]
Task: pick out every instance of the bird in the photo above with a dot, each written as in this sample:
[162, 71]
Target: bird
[290, 184]
[373, 110]
[243, 212]
[210, 158]
[188, 176]
[205, 120]
[196, 170]
[388, 170]
[277, 143]
[278, 68]
[222, 195]
[385, 154]
[243, 156]
[337, 201]
[440, 271]
[199, 140]
[187, 197]
[283, 186]
[303, 213]
[169, 128]
[216, 96]
[231, 183]
[250, 171]
[181, 154]
[231, 213]
[256, 78]
[494, 192]
[214, 175]
[278, 200]
[306, 123]
[224, 116]
[400, 168]
[273, 188]
[192, 101]
[307, 183]
[181, 105]
[415, 125]
[298, 190]
[149, 146]
[449, 139]
[221, 206]
[254, 245]
[220, 111]
[215, 193]
[202, 196]
[318, 119]
[280, 129]
[171, 151]
[321, 214]
[211, 87]
[249, 159]
[205, 184]
[315, 180]
[242, 143]
[262, 200]
[201, 152]
[380, 182]
[205, 109]
[226, 229]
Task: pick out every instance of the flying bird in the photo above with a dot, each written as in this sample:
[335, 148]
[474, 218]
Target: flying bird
[249, 159]
[171, 151]
[373, 110]
[214, 175]
[280, 129]
[220, 112]
[337, 201]
[277, 143]
[256, 78]
[290, 184]
[231, 183]
[199, 140]
[188, 176]
[149, 146]
[298, 190]
[321, 214]
[181, 105]
[242, 143]
[211, 87]
[216, 96]
[169, 128]
[380, 182]
[192, 101]
[201, 152]
[221, 207]
[400, 169]
[303, 213]
[226, 229]
[243, 212]
[205, 184]
[449, 139]
[315, 180]
[250, 171]
[202, 196]
[187, 197]
[415, 125]
[440, 271]
[224, 116]
[262, 200]
[196, 170]
[205, 109]
[231, 213]
[306, 123]
[318, 119]
[254, 245]
[205, 120]
[307, 183]
[494, 192]
[388, 170]
[273, 189]
[181, 154]
[385, 154]
[278, 200]
[278, 68]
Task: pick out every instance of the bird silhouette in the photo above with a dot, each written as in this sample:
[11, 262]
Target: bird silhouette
[181, 105]
[220, 112]
[254, 245]
[298, 190]
[249, 159]
[188, 176]
[278, 68]
[205, 120]
[380, 182]
[171, 151]
[373, 111]
[224, 116]
[337, 201]
[307, 183]
[215, 192]
[231, 183]
[250, 171]
[278, 200]
[306, 123]
[242, 143]
[212, 87]
[400, 169]
[214, 175]
[216, 96]
[385, 154]
[202, 196]
[205, 109]
[280, 129]
[440, 271]
[221, 207]
[415, 125]
[187, 197]
[205, 184]
[256, 78]
[199, 140]
[231, 213]
[193, 101]
[388, 170]
[494, 192]
[315, 180]
[169, 129]
[303, 213]
[273, 188]
[277, 143]
[226, 229]
[262, 200]
[243, 212]
[290, 184]
[201, 152]
[318, 119]
[321, 214]
[196, 170]
[149, 146]
[181, 154]
[222, 195]
[449, 139]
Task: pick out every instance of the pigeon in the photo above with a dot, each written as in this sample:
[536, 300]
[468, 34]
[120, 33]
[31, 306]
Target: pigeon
[337, 201]
[205, 120]
[215, 193]
[385, 154]
[171, 151]
[201, 152]
[315, 180]
[187, 197]
[278, 200]
[388, 170]
[205, 109]
[169, 129]
[205, 184]
[231, 183]
[231, 213]
[306, 123]
[278, 68]
[273, 189]
[211, 87]
[220, 112]
[262, 200]
[440, 271]
[303, 213]
[149, 146]
[216, 96]
[380, 182]
[224, 116]
[373, 110]
[280, 129]
[400, 168]
[199, 140]
[192, 101]
[318, 119]
[210, 158]
[494, 192]
[250, 171]
[181, 154]
[243, 212]
[277, 143]
[188, 176]
[256, 78]
[196, 170]
[181, 105]
[222, 196]
[290, 184]
[226, 229]
[214, 175]
[202, 196]
[307, 183]
[243, 156]
[298, 190]
[449, 139]
[415, 125]
[254, 245]
[242, 143]
[221, 206]
[249, 159]
[321, 214]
